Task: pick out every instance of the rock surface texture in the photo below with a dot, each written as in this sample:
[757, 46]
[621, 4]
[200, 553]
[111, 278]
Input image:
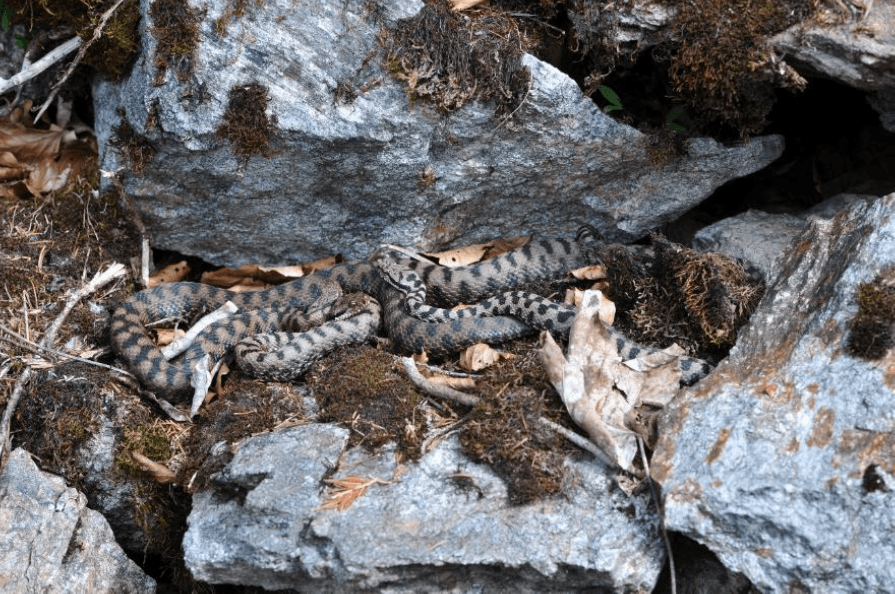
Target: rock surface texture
[350, 175]
[262, 525]
[50, 542]
[781, 461]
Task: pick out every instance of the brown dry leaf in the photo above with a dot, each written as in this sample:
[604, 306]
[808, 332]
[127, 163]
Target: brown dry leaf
[252, 277]
[607, 308]
[595, 272]
[459, 5]
[28, 144]
[422, 358]
[470, 254]
[171, 273]
[479, 356]
[451, 381]
[345, 491]
[598, 390]
[165, 336]
[159, 472]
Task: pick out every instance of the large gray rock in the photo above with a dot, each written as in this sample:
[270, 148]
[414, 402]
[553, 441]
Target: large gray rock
[781, 461]
[349, 176]
[50, 542]
[858, 50]
[262, 525]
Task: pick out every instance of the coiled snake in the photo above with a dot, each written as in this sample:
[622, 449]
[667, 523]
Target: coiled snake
[287, 355]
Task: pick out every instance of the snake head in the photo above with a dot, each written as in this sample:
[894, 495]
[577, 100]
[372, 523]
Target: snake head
[393, 273]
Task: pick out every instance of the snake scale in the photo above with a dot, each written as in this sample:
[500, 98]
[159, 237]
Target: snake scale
[269, 352]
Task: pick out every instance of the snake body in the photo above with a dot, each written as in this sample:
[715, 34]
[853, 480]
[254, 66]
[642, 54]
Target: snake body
[270, 310]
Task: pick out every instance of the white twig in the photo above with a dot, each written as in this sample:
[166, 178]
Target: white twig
[580, 441]
[183, 343]
[436, 390]
[55, 55]
[661, 512]
[74, 63]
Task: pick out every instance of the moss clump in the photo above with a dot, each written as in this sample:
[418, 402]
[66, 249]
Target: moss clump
[721, 62]
[872, 331]
[149, 440]
[360, 389]
[136, 147]
[246, 123]
[176, 28]
[235, 10]
[698, 300]
[504, 431]
[450, 58]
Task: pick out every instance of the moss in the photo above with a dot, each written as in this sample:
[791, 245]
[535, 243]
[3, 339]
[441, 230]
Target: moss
[448, 58]
[149, 440]
[504, 430]
[360, 389]
[872, 330]
[235, 10]
[246, 124]
[176, 29]
[117, 48]
[721, 62]
[136, 147]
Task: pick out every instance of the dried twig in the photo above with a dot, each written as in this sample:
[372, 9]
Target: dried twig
[580, 441]
[436, 390]
[74, 63]
[661, 512]
[15, 338]
[99, 280]
[55, 55]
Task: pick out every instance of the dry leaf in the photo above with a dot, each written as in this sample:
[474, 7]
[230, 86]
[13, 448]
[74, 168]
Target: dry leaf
[171, 273]
[479, 356]
[459, 5]
[422, 358]
[595, 272]
[165, 336]
[598, 390]
[345, 491]
[470, 254]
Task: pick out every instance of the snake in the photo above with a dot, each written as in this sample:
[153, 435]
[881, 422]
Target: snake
[274, 342]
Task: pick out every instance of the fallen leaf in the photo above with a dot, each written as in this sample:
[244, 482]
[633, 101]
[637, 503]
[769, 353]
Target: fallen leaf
[594, 272]
[459, 5]
[452, 381]
[599, 391]
[165, 336]
[479, 356]
[171, 273]
[470, 254]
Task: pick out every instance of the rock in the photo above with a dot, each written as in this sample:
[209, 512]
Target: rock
[781, 461]
[262, 525]
[859, 53]
[347, 175]
[763, 238]
[51, 542]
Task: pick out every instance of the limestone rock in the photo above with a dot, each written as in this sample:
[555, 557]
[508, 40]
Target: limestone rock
[346, 176]
[51, 542]
[262, 525]
[781, 461]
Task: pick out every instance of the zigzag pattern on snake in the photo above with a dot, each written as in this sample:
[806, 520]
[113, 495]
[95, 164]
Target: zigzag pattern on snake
[271, 309]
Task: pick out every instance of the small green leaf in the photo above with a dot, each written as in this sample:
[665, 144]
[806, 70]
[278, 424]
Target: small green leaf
[674, 113]
[610, 96]
[22, 41]
[675, 127]
[5, 17]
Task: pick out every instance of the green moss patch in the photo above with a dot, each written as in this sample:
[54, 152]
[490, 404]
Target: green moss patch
[872, 331]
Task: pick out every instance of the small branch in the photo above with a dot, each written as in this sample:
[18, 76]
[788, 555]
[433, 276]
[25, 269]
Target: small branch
[55, 55]
[661, 513]
[15, 338]
[435, 389]
[100, 279]
[580, 441]
[74, 63]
